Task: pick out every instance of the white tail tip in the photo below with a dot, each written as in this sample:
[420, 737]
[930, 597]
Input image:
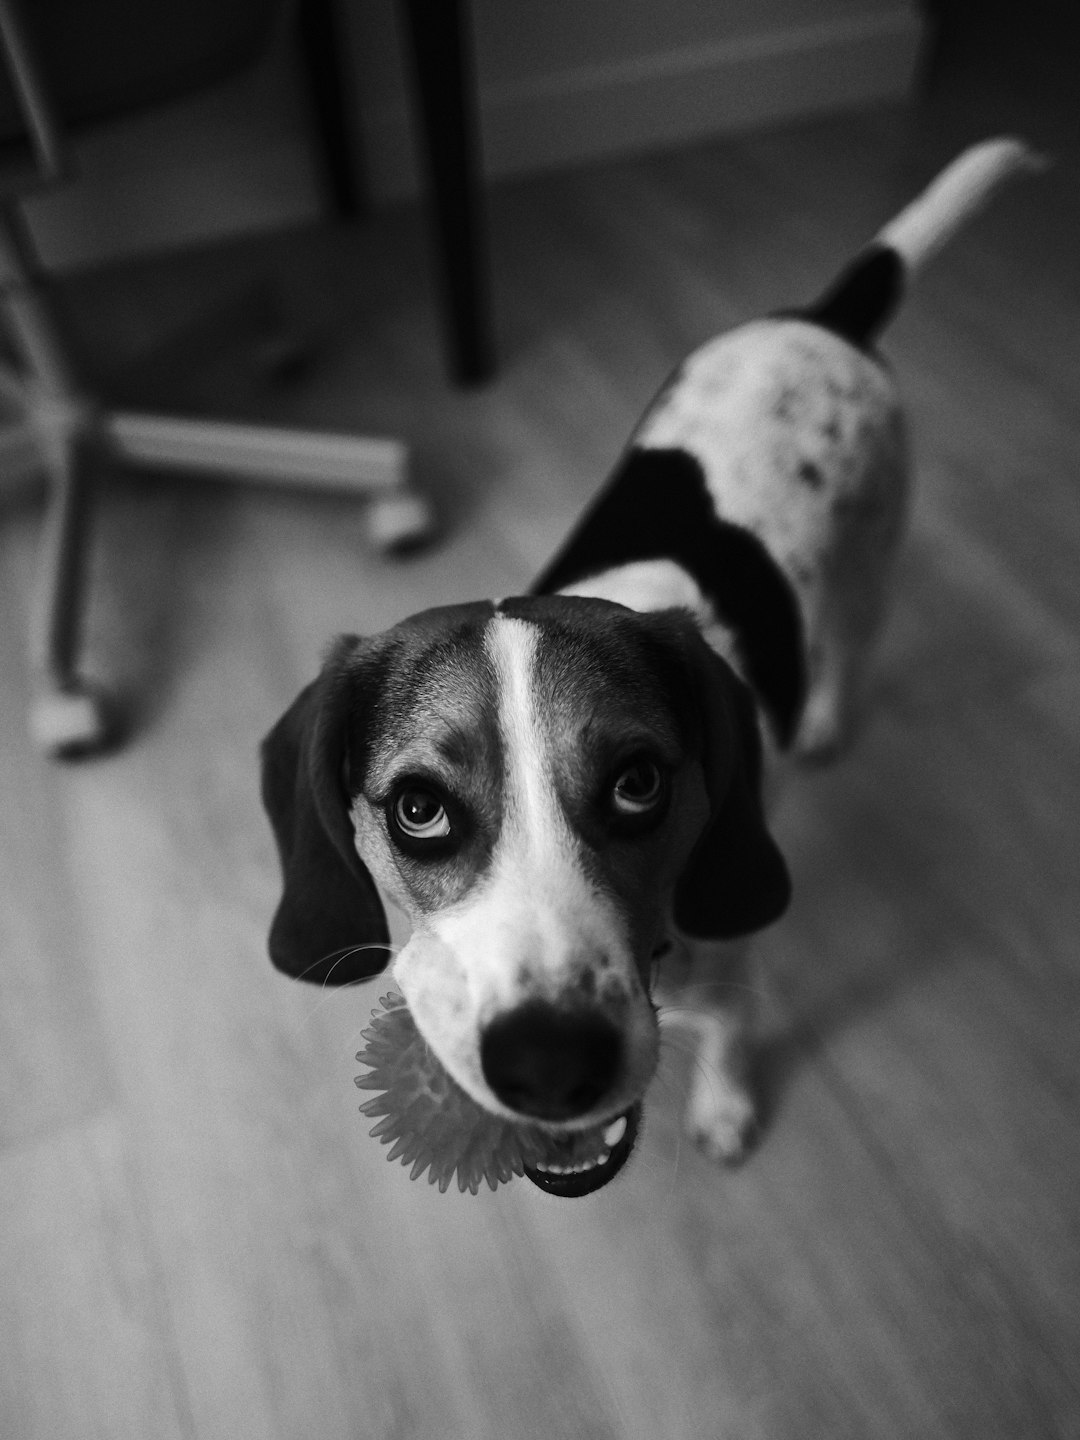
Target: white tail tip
[957, 194]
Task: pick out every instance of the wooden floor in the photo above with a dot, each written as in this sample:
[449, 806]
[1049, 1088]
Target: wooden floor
[197, 1238]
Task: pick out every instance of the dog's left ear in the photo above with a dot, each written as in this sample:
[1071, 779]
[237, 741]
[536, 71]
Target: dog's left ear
[736, 880]
[330, 926]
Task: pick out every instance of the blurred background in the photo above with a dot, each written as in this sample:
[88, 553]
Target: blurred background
[197, 1237]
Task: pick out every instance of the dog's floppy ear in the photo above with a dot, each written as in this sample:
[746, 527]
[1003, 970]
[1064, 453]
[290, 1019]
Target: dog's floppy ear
[735, 880]
[330, 927]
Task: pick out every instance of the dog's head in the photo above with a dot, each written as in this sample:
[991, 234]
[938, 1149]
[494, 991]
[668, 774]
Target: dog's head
[540, 785]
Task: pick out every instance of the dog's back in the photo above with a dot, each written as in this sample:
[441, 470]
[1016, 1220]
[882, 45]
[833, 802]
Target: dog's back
[766, 487]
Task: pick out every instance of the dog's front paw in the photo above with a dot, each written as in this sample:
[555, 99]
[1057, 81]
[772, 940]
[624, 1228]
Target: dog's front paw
[722, 1119]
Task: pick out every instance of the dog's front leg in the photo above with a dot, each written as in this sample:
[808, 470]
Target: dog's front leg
[708, 991]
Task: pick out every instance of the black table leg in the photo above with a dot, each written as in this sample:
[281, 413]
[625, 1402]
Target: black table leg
[321, 41]
[438, 38]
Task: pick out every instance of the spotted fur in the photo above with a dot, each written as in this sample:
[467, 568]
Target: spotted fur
[772, 473]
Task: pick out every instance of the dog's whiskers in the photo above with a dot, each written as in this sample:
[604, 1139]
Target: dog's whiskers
[711, 1074]
[700, 1007]
[326, 988]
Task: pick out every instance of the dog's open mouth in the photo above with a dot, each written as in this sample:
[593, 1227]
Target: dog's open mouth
[586, 1160]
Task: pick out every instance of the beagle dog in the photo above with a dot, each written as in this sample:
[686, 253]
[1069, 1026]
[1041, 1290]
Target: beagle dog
[552, 785]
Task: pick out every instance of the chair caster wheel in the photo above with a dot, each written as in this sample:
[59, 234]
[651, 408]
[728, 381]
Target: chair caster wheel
[68, 723]
[398, 523]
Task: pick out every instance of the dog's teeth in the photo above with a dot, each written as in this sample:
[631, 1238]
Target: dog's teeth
[612, 1134]
[581, 1167]
[615, 1132]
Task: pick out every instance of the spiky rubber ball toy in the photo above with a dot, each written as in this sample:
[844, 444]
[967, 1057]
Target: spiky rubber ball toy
[430, 1122]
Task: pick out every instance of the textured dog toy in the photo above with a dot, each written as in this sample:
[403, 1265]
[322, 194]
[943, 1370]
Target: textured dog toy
[430, 1122]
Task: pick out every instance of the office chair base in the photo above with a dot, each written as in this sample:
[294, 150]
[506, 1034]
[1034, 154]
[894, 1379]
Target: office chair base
[398, 523]
[398, 517]
[71, 722]
[69, 718]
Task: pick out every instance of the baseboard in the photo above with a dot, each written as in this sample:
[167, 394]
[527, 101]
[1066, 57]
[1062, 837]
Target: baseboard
[597, 111]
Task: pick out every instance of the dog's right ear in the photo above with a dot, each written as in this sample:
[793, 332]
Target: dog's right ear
[330, 926]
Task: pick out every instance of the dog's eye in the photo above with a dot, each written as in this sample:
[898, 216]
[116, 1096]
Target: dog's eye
[638, 789]
[420, 814]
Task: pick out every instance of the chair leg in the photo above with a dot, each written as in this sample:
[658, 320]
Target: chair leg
[398, 517]
[319, 31]
[438, 36]
[68, 717]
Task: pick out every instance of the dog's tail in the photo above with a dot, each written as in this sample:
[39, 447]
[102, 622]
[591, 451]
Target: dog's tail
[865, 296]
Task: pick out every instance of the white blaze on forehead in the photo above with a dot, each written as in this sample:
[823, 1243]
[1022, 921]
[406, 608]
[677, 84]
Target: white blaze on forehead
[539, 908]
[532, 807]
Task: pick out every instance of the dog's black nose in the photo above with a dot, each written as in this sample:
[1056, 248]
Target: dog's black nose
[550, 1063]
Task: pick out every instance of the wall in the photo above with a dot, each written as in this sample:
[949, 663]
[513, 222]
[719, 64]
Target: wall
[565, 81]
[559, 82]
